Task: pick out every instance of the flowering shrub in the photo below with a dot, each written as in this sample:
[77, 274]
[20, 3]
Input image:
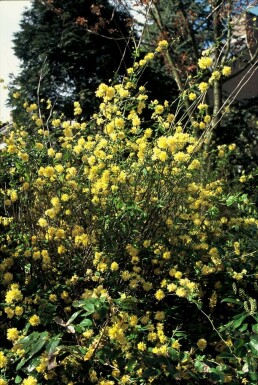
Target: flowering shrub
[122, 260]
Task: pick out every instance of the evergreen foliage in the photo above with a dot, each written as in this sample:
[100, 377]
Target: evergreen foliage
[66, 49]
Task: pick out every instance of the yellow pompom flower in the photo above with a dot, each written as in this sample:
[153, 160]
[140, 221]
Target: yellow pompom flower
[203, 87]
[12, 334]
[226, 71]
[30, 381]
[204, 62]
[114, 266]
[176, 345]
[159, 295]
[192, 96]
[3, 360]
[14, 294]
[141, 346]
[34, 320]
[159, 109]
[181, 292]
[162, 45]
[201, 343]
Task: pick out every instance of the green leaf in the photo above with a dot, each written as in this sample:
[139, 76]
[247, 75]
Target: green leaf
[253, 376]
[85, 323]
[232, 300]
[255, 328]
[32, 343]
[35, 348]
[131, 364]
[254, 344]
[18, 380]
[28, 340]
[86, 304]
[239, 321]
[72, 318]
[173, 353]
[21, 363]
[53, 343]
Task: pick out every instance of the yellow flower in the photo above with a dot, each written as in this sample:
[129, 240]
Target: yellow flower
[162, 45]
[226, 71]
[16, 95]
[13, 195]
[207, 118]
[24, 156]
[42, 222]
[202, 125]
[167, 255]
[18, 310]
[214, 76]
[12, 334]
[159, 295]
[14, 294]
[159, 109]
[30, 381]
[192, 96]
[114, 266]
[232, 147]
[176, 345]
[202, 106]
[203, 87]
[34, 320]
[204, 62]
[178, 274]
[48, 171]
[141, 346]
[171, 287]
[181, 292]
[51, 152]
[3, 360]
[149, 56]
[160, 316]
[77, 108]
[201, 343]
[243, 178]
[8, 277]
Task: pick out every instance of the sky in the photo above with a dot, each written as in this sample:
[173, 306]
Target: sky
[10, 15]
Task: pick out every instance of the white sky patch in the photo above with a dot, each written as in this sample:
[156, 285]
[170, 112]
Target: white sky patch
[10, 16]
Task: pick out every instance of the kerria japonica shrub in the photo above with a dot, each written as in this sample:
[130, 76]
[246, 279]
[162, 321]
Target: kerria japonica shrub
[125, 259]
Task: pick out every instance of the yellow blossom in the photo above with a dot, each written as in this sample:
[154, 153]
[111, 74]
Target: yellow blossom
[159, 295]
[205, 62]
[192, 96]
[114, 266]
[34, 320]
[141, 346]
[203, 87]
[12, 334]
[226, 71]
[30, 381]
[3, 360]
[201, 343]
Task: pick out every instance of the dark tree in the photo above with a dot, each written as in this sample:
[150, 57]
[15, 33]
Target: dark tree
[67, 48]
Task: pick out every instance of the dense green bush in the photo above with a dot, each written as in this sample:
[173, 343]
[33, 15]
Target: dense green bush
[123, 258]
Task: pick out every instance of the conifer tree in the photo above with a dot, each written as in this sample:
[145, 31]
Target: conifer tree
[66, 49]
